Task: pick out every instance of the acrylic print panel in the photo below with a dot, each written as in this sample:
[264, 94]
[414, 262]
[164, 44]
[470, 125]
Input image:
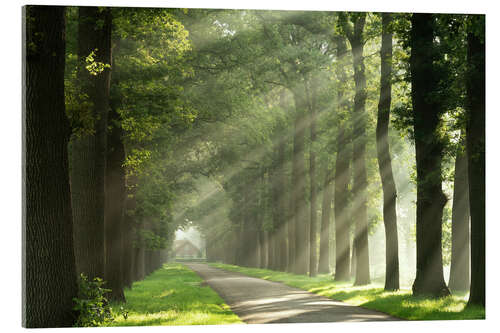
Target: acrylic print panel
[211, 166]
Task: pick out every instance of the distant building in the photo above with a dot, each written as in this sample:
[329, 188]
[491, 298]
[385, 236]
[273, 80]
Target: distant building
[183, 248]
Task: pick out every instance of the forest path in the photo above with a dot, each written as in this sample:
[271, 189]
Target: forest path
[258, 301]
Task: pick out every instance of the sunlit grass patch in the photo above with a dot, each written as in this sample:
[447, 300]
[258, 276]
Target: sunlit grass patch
[172, 295]
[400, 304]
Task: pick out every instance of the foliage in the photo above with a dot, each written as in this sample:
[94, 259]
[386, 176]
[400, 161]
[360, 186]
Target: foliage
[95, 67]
[446, 243]
[205, 96]
[92, 306]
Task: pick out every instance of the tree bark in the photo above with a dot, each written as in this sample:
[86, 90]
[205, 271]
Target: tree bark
[326, 209]
[139, 264]
[128, 231]
[342, 177]
[264, 244]
[282, 249]
[88, 152]
[359, 152]
[476, 156]
[290, 219]
[384, 159]
[261, 215]
[278, 195]
[49, 276]
[250, 230]
[430, 197]
[147, 261]
[114, 216]
[460, 236]
[312, 179]
[299, 183]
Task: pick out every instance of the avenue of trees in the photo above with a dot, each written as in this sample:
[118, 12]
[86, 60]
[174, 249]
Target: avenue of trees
[338, 143]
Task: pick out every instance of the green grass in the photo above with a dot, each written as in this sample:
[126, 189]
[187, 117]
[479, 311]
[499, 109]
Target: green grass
[173, 295]
[400, 304]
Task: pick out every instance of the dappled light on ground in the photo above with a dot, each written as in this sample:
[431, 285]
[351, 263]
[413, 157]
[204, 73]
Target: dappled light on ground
[400, 304]
[257, 301]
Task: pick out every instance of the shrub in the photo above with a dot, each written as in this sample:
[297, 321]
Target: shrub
[91, 304]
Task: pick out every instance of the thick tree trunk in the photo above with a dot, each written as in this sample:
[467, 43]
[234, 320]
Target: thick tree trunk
[360, 182]
[326, 209]
[342, 177]
[88, 152]
[384, 160]
[430, 197]
[299, 183]
[49, 276]
[476, 158]
[115, 202]
[460, 235]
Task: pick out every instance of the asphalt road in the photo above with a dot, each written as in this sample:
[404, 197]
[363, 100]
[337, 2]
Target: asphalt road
[258, 301]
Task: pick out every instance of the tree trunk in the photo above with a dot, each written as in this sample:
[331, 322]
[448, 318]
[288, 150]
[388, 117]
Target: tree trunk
[271, 249]
[264, 244]
[278, 195]
[261, 215]
[282, 250]
[430, 197]
[240, 243]
[115, 201]
[384, 159]
[49, 276]
[250, 231]
[326, 209]
[353, 259]
[312, 179]
[359, 152]
[147, 262]
[139, 263]
[342, 176]
[475, 153]
[299, 184]
[290, 220]
[460, 236]
[128, 231]
[88, 152]
[234, 245]
[290, 216]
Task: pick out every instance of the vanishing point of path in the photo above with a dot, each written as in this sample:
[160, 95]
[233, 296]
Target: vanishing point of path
[257, 301]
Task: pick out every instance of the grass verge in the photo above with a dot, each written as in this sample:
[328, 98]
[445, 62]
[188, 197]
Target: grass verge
[173, 295]
[400, 304]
